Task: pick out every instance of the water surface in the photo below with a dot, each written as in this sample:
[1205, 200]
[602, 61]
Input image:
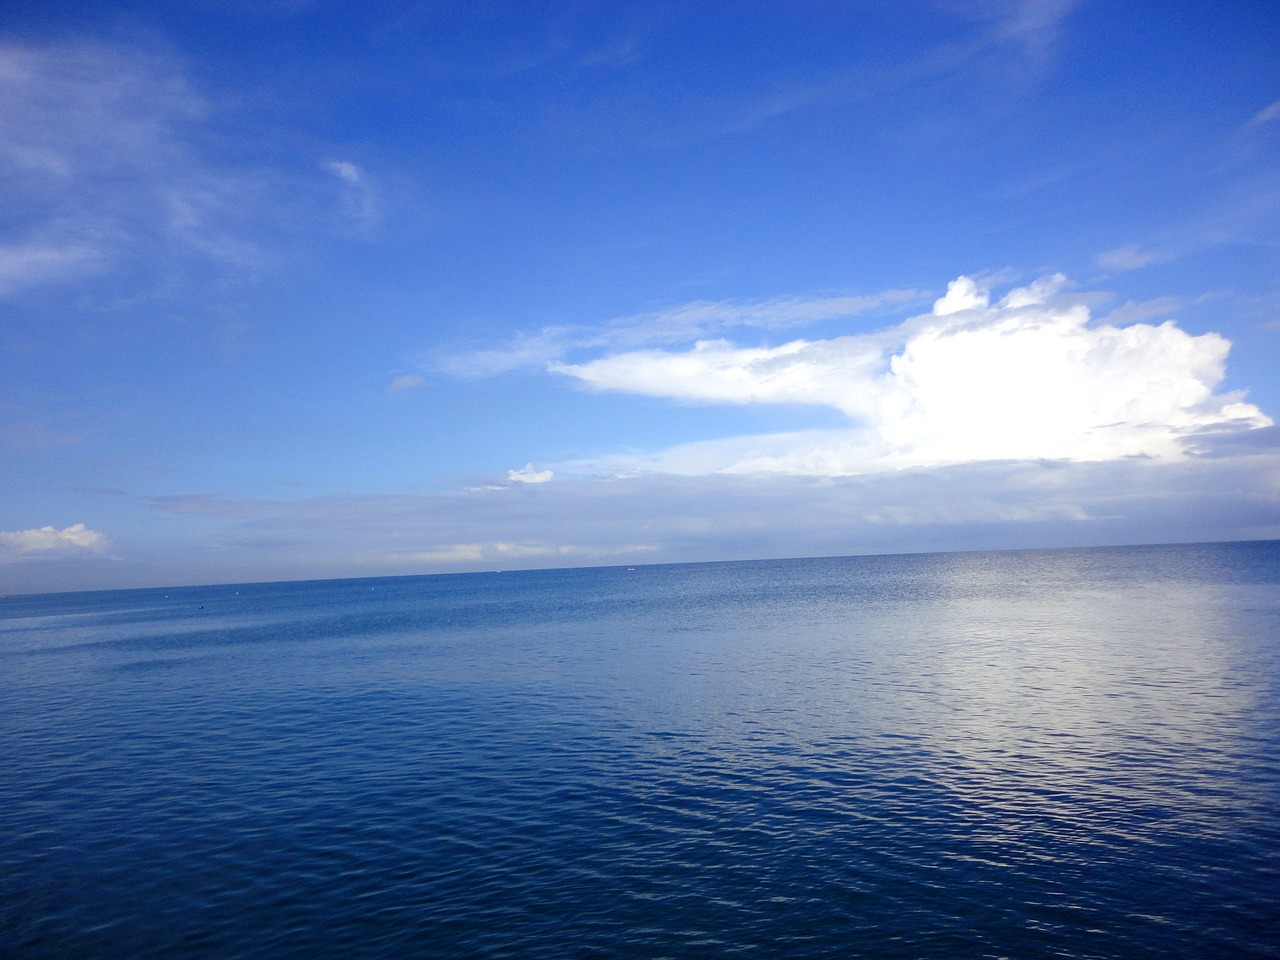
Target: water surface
[1026, 754]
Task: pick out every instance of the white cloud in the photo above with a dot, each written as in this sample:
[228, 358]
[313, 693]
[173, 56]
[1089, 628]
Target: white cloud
[672, 325]
[92, 150]
[702, 317]
[1127, 258]
[344, 169]
[1027, 378]
[501, 553]
[407, 382]
[962, 294]
[110, 163]
[524, 350]
[44, 541]
[360, 202]
[126, 104]
[1033, 23]
[531, 549]
[449, 554]
[1233, 494]
[30, 263]
[1134, 312]
[1266, 115]
[527, 474]
[97, 153]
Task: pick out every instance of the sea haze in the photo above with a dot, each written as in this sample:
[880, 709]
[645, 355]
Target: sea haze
[1070, 753]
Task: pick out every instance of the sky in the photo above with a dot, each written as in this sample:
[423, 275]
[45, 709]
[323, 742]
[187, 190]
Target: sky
[298, 289]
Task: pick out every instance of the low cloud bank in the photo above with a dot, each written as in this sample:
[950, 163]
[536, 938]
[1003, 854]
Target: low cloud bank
[663, 517]
[1223, 492]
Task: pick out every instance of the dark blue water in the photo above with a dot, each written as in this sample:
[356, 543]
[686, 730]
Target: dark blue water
[1032, 754]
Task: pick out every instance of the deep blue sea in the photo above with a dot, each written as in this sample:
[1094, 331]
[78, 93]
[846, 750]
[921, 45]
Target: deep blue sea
[1029, 754]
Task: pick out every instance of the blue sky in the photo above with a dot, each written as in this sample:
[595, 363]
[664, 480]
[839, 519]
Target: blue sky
[312, 289]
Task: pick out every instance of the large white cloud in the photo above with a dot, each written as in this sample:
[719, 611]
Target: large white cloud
[1028, 377]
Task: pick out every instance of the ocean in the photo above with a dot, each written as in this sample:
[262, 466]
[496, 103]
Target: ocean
[1025, 754]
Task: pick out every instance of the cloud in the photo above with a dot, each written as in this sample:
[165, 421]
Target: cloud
[449, 554]
[112, 164]
[1134, 312]
[360, 202]
[1267, 114]
[703, 317]
[407, 382]
[524, 350]
[1127, 258]
[574, 550]
[1029, 377]
[1035, 24]
[93, 152]
[34, 262]
[677, 324]
[1020, 41]
[342, 168]
[669, 518]
[499, 554]
[962, 294]
[1219, 441]
[50, 541]
[528, 474]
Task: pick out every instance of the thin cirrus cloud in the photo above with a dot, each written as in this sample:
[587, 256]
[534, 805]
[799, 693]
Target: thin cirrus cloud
[93, 147]
[1267, 114]
[113, 163]
[405, 383]
[672, 325]
[36, 262]
[1027, 377]
[360, 202]
[1128, 257]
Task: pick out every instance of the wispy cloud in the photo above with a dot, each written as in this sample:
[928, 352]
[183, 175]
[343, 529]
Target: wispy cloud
[360, 199]
[112, 164]
[682, 323]
[1268, 114]
[1008, 45]
[35, 262]
[663, 517]
[1028, 377]
[1128, 257]
[1018, 43]
[93, 146]
[1136, 311]
[1034, 25]
[405, 383]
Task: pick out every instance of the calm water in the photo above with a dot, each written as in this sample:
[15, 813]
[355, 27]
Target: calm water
[1032, 754]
